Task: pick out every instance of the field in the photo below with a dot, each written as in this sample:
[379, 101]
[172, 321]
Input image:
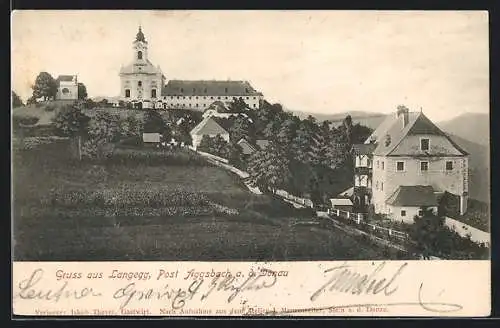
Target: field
[157, 205]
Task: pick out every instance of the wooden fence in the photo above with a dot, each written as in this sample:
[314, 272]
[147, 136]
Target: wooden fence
[358, 220]
[302, 201]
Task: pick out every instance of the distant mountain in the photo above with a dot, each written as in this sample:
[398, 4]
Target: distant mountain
[470, 126]
[369, 119]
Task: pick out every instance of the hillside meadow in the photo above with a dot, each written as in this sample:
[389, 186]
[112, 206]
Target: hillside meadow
[157, 205]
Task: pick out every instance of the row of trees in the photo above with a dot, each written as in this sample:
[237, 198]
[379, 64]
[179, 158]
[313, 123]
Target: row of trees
[304, 157]
[94, 135]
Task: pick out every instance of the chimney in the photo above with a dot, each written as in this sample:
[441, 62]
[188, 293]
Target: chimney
[403, 112]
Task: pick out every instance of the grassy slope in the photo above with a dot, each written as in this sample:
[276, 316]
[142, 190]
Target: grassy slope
[262, 231]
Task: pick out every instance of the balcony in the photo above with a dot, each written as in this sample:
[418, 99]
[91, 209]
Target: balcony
[363, 170]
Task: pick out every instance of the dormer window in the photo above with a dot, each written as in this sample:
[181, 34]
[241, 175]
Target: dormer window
[139, 55]
[424, 144]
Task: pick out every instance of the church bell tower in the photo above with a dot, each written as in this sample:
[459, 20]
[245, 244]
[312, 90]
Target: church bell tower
[140, 47]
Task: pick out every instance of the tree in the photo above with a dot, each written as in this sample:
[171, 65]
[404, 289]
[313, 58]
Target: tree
[269, 168]
[45, 86]
[235, 156]
[206, 144]
[103, 129]
[240, 129]
[131, 126]
[73, 123]
[16, 100]
[347, 124]
[82, 91]
[238, 105]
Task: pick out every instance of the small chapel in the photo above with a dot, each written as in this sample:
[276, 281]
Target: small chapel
[145, 85]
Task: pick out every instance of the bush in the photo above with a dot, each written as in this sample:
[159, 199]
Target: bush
[50, 108]
[24, 120]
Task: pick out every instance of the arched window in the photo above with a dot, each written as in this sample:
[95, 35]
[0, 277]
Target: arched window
[153, 93]
[139, 55]
[127, 93]
[139, 83]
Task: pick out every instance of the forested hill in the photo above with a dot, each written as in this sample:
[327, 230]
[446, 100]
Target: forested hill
[305, 157]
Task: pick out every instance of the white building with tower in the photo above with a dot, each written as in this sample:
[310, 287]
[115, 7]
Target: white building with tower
[144, 84]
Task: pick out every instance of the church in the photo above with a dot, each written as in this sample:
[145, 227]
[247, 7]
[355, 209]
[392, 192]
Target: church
[144, 85]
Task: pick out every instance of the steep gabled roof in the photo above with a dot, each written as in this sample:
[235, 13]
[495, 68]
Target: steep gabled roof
[208, 126]
[208, 88]
[418, 124]
[413, 196]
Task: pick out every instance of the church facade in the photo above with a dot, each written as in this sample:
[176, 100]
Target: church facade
[144, 84]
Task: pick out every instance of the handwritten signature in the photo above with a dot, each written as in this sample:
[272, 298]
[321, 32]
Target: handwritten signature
[180, 296]
[29, 289]
[346, 280]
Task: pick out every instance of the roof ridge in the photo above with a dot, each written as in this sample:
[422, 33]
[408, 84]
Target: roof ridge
[403, 133]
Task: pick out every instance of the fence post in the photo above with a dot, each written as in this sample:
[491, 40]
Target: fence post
[338, 212]
[348, 214]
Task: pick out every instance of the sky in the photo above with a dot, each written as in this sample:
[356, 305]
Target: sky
[312, 61]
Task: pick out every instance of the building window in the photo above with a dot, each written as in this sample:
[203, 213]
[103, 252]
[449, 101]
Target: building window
[182, 90]
[382, 163]
[139, 83]
[378, 164]
[139, 55]
[205, 90]
[376, 185]
[382, 186]
[400, 166]
[225, 90]
[189, 97]
[246, 90]
[218, 98]
[424, 166]
[424, 144]
[420, 213]
[248, 98]
[127, 93]
[403, 213]
[254, 105]
[194, 90]
[153, 93]
[449, 165]
[196, 105]
[211, 97]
